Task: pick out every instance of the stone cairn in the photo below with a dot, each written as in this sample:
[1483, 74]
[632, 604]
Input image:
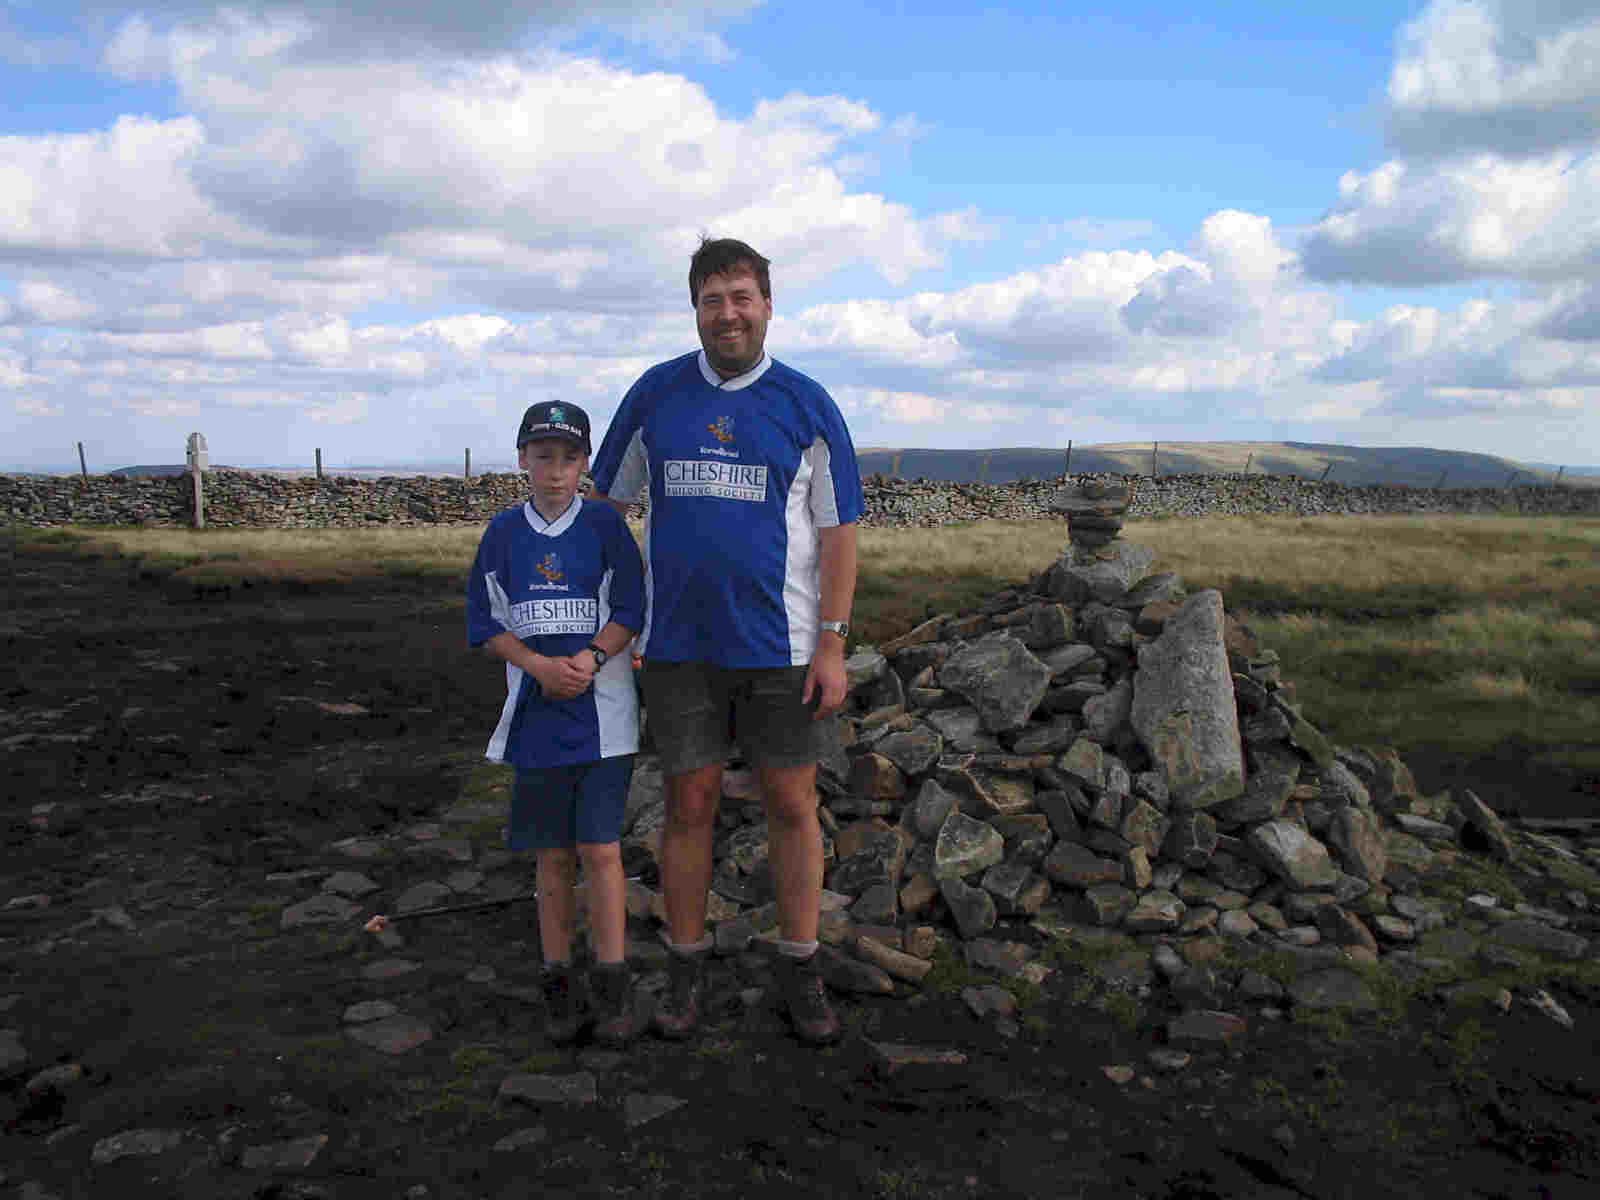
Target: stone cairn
[1100, 753]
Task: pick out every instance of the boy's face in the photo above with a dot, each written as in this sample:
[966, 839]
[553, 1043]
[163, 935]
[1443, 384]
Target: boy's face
[554, 466]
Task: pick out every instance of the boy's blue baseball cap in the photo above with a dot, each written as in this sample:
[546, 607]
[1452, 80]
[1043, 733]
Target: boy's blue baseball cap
[554, 419]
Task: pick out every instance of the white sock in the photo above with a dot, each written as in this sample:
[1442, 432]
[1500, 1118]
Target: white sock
[796, 949]
[704, 944]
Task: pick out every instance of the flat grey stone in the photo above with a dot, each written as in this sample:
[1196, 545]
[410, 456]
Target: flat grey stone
[1073, 865]
[323, 909]
[1529, 934]
[576, 1088]
[389, 968]
[294, 1155]
[352, 885]
[639, 1108]
[1000, 678]
[966, 846]
[1334, 987]
[522, 1139]
[1293, 854]
[422, 895]
[134, 1143]
[1205, 1027]
[394, 1034]
[368, 1010]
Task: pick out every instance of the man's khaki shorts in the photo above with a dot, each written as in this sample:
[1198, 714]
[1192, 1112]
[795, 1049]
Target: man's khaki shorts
[697, 712]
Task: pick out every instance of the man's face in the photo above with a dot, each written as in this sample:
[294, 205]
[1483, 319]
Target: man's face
[732, 317]
[554, 467]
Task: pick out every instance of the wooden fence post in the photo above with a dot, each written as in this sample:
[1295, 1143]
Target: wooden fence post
[1325, 470]
[1066, 467]
[1250, 458]
[1442, 474]
[83, 465]
[983, 467]
[466, 470]
[1153, 448]
[894, 465]
[319, 462]
[1559, 474]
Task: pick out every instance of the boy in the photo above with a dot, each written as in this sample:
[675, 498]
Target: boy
[557, 592]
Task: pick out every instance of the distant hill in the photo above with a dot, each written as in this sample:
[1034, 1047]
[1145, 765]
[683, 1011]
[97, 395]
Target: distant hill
[1416, 466]
[153, 471]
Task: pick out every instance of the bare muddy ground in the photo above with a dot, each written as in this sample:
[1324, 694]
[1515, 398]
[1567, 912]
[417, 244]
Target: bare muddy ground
[182, 773]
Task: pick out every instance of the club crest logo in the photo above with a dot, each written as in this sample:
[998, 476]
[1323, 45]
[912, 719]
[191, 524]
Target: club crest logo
[722, 429]
[550, 568]
[558, 415]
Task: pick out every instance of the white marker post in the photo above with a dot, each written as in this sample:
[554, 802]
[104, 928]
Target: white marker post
[199, 463]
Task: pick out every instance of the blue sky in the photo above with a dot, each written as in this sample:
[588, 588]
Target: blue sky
[384, 229]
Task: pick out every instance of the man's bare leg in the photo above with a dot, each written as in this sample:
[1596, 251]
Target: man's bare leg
[692, 800]
[795, 838]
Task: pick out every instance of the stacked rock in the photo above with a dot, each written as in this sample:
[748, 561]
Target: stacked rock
[1094, 510]
[1097, 749]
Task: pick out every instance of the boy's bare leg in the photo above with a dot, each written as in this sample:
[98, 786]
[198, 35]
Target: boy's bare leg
[795, 838]
[692, 800]
[558, 907]
[608, 899]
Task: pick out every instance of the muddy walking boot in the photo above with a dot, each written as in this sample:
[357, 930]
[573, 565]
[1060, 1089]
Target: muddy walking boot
[805, 996]
[611, 985]
[565, 1010]
[677, 1012]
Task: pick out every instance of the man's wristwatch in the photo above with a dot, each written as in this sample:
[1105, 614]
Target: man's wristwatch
[842, 628]
[600, 655]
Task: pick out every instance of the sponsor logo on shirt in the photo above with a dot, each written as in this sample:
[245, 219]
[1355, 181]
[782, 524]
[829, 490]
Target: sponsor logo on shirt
[722, 430]
[729, 481]
[577, 614]
[550, 568]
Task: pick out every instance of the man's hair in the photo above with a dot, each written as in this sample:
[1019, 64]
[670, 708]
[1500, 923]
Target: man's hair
[723, 256]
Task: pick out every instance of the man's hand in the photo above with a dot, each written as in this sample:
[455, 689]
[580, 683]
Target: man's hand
[826, 677]
[562, 678]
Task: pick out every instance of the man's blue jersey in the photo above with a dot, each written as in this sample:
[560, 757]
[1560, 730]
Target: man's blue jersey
[740, 474]
[555, 584]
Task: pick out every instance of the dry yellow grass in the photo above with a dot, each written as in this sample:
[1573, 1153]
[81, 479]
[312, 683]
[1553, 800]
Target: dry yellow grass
[1449, 632]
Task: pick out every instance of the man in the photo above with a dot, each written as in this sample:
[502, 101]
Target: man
[754, 494]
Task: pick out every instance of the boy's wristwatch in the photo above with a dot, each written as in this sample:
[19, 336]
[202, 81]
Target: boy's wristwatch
[600, 655]
[842, 628]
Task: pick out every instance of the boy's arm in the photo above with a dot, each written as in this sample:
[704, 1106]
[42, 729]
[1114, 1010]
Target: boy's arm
[557, 678]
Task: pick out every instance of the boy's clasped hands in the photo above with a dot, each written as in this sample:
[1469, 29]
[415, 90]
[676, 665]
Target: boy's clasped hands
[562, 678]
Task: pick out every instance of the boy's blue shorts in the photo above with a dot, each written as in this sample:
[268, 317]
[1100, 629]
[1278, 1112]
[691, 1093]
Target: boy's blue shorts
[557, 807]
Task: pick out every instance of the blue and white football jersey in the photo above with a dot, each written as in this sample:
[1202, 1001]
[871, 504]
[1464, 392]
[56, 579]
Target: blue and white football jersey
[555, 584]
[740, 474]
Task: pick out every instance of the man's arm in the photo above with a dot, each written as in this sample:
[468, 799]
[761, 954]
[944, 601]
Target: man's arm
[837, 562]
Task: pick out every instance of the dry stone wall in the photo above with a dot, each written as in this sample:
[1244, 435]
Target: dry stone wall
[240, 499]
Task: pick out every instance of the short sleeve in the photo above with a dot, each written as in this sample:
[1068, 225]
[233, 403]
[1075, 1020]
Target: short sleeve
[620, 470]
[627, 594]
[488, 609]
[836, 497]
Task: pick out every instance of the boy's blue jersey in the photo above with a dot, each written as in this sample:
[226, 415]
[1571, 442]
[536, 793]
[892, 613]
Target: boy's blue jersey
[555, 585]
[740, 475]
